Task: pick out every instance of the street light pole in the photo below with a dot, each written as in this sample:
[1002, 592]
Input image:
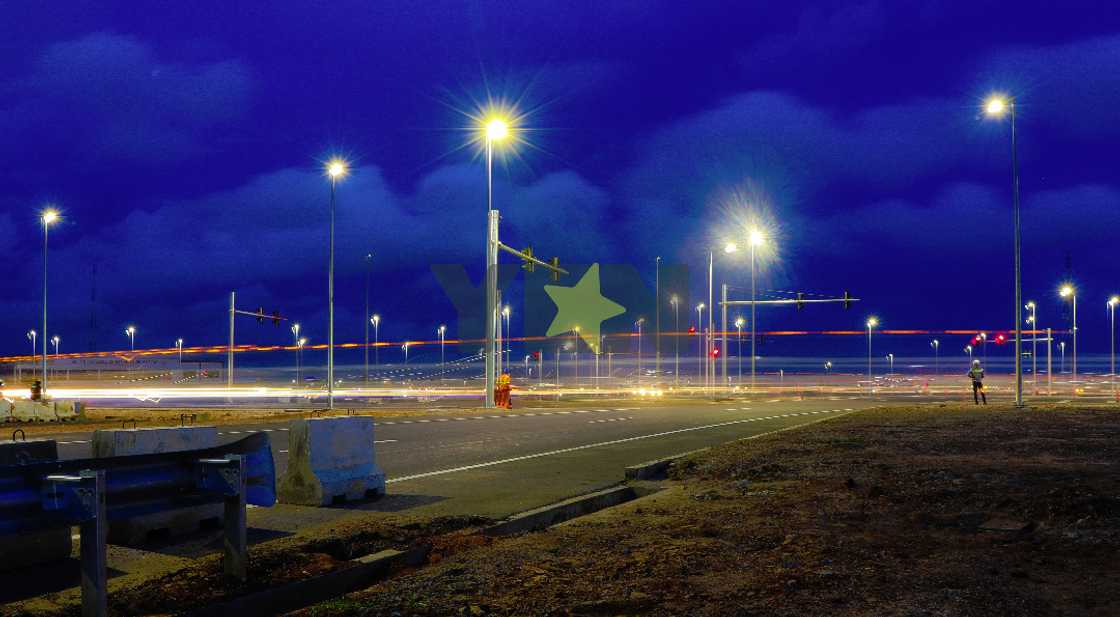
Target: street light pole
[509, 349]
[676, 339]
[1068, 291]
[1112, 302]
[1033, 321]
[295, 341]
[936, 344]
[495, 129]
[739, 355]
[336, 169]
[996, 107]
[369, 262]
[639, 325]
[871, 323]
[179, 344]
[47, 217]
[442, 329]
[657, 316]
[700, 340]
[376, 320]
[890, 358]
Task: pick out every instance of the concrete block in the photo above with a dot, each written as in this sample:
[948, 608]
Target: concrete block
[68, 410]
[25, 410]
[331, 459]
[127, 442]
[24, 550]
[5, 410]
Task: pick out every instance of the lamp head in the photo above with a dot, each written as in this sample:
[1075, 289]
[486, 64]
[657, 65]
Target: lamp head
[337, 168]
[730, 247]
[1066, 290]
[50, 215]
[872, 322]
[996, 106]
[756, 237]
[375, 319]
[497, 129]
[1114, 300]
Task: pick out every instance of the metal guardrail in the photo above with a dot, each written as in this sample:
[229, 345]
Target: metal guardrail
[91, 492]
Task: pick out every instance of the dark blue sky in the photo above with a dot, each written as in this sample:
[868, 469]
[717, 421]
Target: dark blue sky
[183, 141]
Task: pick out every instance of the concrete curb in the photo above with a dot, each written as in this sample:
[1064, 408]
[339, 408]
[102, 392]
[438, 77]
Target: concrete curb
[358, 574]
[554, 514]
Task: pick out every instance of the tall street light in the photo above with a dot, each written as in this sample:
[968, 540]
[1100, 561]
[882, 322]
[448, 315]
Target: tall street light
[179, 346]
[997, 107]
[756, 240]
[33, 336]
[48, 217]
[1112, 302]
[336, 170]
[1068, 291]
[675, 301]
[56, 340]
[871, 323]
[130, 332]
[936, 344]
[1032, 319]
[657, 317]
[968, 350]
[638, 324]
[300, 342]
[890, 358]
[700, 340]
[440, 331]
[495, 130]
[508, 355]
[295, 341]
[739, 330]
[376, 321]
[1062, 348]
[369, 263]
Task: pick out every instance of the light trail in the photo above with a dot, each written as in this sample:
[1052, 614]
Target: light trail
[129, 356]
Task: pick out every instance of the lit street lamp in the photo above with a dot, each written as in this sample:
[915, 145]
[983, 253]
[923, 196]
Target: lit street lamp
[739, 337]
[440, 331]
[49, 216]
[404, 348]
[936, 344]
[509, 350]
[639, 323]
[1062, 348]
[675, 301]
[1032, 319]
[700, 339]
[56, 340]
[295, 341]
[871, 323]
[494, 130]
[996, 107]
[376, 321]
[179, 346]
[1067, 291]
[300, 342]
[365, 355]
[1112, 302]
[828, 367]
[968, 350]
[336, 170]
[31, 336]
[130, 332]
[890, 358]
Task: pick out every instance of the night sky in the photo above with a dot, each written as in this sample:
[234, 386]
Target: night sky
[184, 141]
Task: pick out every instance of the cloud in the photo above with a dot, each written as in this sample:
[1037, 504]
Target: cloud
[134, 107]
[1071, 89]
[268, 238]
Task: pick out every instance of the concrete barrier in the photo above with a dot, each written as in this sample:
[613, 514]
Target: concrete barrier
[330, 459]
[126, 442]
[24, 550]
[5, 410]
[25, 410]
[68, 410]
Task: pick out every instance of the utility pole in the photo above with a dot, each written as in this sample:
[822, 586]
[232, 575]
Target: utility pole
[657, 316]
[229, 352]
[723, 334]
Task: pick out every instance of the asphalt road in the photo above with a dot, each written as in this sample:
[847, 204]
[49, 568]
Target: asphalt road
[410, 448]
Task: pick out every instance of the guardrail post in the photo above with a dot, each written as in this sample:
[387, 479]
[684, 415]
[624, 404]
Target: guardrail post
[226, 476]
[235, 561]
[94, 578]
[81, 498]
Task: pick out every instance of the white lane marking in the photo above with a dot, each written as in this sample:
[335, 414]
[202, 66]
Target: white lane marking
[267, 430]
[442, 420]
[459, 419]
[526, 457]
[233, 433]
[477, 418]
[563, 412]
[407, 422]
[774, 400]
[282, 451]
[546, 413]
[377, 441]
[424, 421]
[283, 429]
[529, 414]
[495, 417]
[66, 443]
[387, 423]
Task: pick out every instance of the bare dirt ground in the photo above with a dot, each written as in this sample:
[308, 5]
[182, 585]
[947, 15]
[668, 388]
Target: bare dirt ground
[930, 511]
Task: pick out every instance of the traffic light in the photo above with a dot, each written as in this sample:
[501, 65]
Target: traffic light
[555, 269]
[276, 318]
[692, 329]
[715, 352]
[260, 314]
[847, 301]
[1001, 338]
[529, 265]
[800, 300]
[536, 355]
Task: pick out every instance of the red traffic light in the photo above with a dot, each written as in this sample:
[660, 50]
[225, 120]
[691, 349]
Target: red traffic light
[715, 351]
[692, 329]
[1001, 339]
